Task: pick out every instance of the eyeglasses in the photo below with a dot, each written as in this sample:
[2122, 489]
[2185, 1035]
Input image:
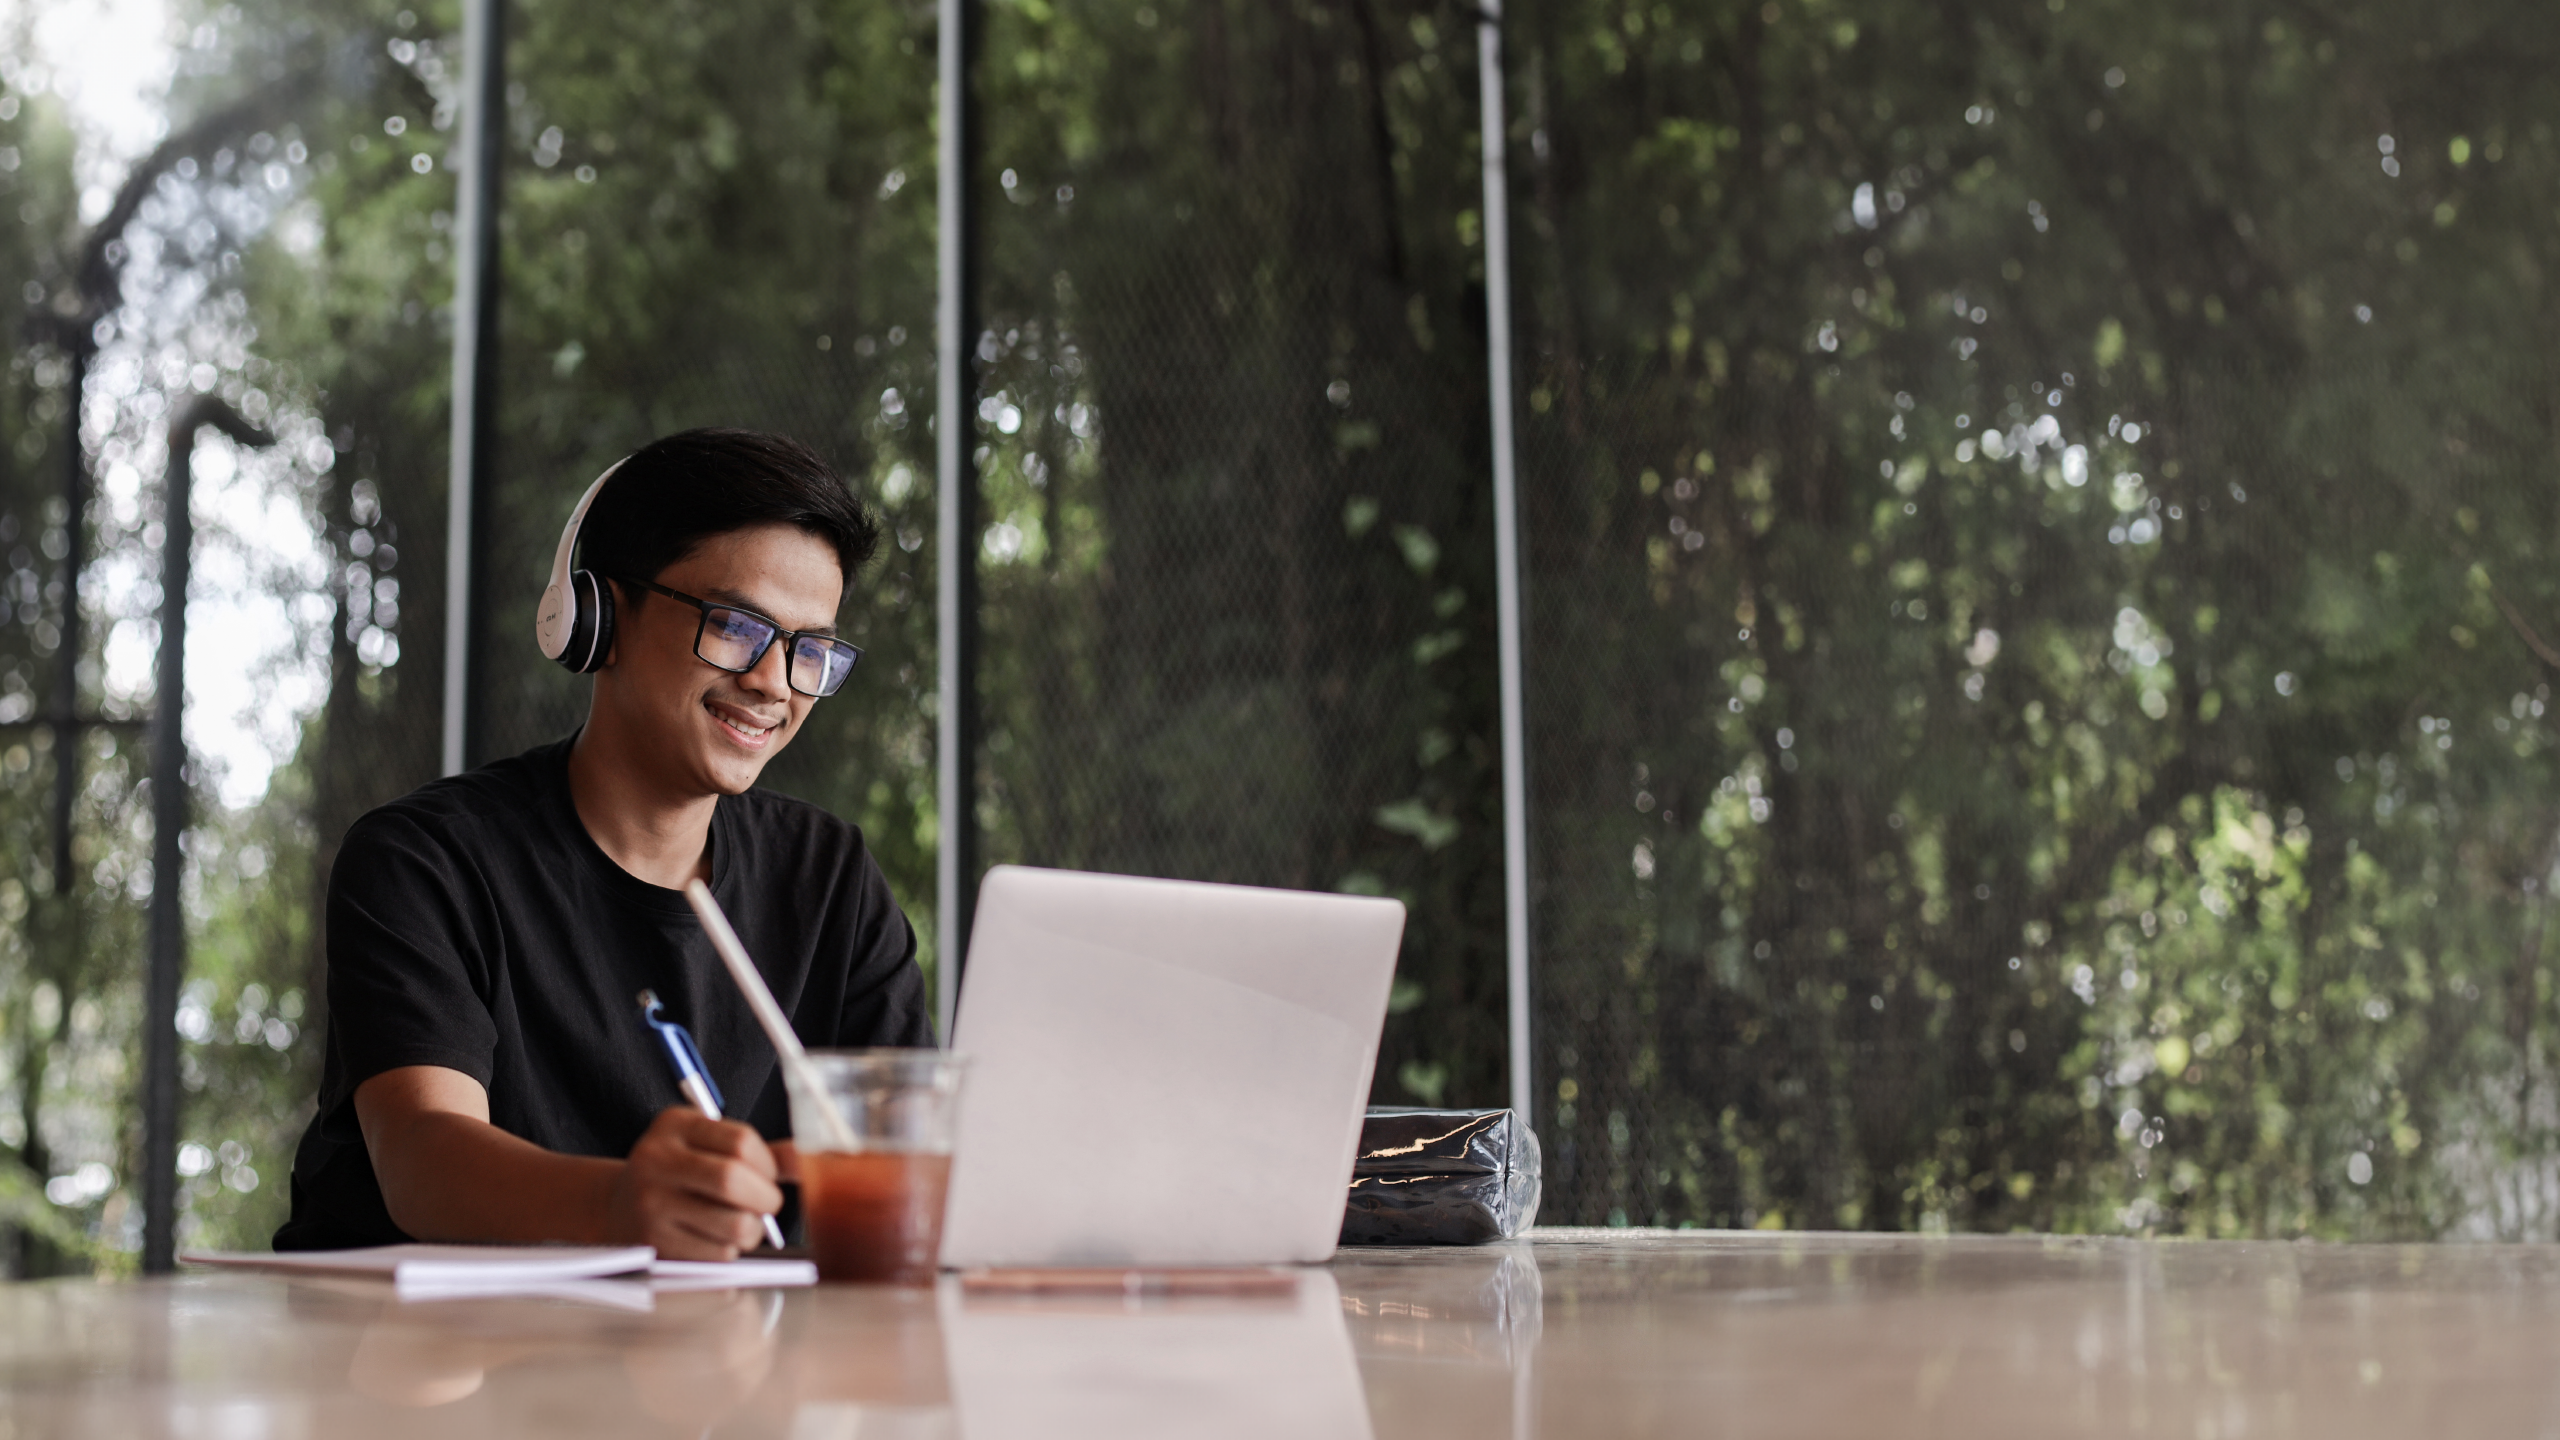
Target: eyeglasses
[734, 639]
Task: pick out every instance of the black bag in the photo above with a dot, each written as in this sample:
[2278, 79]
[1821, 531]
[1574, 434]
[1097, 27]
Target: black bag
[1441, 1177]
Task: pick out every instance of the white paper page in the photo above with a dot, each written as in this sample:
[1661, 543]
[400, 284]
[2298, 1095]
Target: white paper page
[633, 1295]
[450, 1264]
[749, 1274]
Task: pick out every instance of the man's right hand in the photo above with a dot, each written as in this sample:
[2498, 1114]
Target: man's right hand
[694, 1187]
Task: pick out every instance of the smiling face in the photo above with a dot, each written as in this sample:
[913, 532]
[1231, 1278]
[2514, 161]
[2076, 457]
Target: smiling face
[698, 729]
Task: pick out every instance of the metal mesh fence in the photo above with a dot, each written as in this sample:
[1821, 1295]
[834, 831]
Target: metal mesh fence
[2002, 612]
[1930, 864]
[1237, 579]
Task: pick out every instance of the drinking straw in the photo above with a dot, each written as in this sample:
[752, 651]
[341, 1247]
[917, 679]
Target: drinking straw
[797, 1072]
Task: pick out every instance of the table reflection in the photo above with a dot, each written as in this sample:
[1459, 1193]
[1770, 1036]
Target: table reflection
[1484, 1306]
[1416, 1343]
[1446, 1339]
[690, 1360]
[864, 1362]
[1066, 1367]
[1591, 1333]
[873, 1363]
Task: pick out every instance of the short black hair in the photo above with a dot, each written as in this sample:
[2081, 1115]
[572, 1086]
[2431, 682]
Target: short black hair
[672, 494]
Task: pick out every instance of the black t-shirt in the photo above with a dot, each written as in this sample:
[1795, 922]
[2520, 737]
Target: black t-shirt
[474, 924]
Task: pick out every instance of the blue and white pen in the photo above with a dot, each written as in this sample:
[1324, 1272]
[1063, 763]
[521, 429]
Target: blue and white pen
[693, 1077]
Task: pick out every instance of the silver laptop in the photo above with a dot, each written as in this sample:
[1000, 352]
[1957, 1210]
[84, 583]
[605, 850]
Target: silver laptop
[1162, 1072]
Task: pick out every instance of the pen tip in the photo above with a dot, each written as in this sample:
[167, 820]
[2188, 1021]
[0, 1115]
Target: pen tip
[648, 999]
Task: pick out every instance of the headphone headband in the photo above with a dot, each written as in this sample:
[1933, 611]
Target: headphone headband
[556, 619]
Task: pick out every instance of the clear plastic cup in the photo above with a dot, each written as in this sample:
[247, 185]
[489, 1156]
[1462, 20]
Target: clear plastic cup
[872, 1187]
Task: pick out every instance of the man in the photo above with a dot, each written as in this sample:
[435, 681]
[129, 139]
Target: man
[489, 1077]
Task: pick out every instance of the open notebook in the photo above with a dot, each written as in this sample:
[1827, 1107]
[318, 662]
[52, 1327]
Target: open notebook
[427, 1271]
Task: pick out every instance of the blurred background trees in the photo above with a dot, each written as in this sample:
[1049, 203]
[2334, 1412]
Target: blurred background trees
[2072, 753]
[2038, 653]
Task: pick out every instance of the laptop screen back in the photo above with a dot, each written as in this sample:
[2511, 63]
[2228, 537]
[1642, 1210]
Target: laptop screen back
[1162, 1072]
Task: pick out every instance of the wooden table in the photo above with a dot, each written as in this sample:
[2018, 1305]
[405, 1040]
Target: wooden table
[1581, 1333]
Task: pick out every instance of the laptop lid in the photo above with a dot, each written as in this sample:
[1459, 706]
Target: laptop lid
[1162, 1072]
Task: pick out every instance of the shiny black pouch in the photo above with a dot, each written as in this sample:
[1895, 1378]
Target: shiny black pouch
[1441, 1177]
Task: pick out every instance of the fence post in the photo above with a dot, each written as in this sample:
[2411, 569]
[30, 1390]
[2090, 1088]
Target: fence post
[475, 356]
[1506, 552]
[956, 526]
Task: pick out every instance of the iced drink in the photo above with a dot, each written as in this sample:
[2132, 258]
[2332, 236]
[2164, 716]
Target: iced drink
[875, 1161]
[874, 1214]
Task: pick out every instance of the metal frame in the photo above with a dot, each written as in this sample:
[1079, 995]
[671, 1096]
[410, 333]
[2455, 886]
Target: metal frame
[475, 354]
[1508, 601]
[956, 505]
[168, 956]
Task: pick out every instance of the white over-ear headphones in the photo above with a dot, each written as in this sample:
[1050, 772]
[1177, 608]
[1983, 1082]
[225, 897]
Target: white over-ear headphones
[574, 624]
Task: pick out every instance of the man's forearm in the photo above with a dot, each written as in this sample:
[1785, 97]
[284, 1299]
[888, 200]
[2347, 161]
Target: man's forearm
[450, 1177]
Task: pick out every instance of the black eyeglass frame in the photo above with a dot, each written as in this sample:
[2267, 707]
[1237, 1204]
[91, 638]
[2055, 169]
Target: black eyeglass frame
[779, 634]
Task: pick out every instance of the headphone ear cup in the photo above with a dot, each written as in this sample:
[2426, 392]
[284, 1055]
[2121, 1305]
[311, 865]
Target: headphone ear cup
[590, 624]
[604, 623]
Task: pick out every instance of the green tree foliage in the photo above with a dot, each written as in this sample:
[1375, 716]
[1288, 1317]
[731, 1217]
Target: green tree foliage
[69, 1023]
[71, 948]
[45, 938]
[2047, 499]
